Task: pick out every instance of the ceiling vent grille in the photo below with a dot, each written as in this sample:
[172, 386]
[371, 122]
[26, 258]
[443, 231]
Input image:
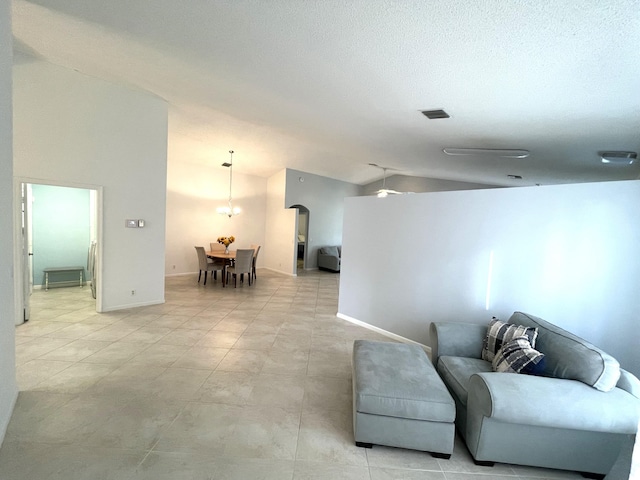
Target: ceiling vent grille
[433, 114]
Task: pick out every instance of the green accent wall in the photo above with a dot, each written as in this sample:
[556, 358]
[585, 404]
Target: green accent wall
[61, 231]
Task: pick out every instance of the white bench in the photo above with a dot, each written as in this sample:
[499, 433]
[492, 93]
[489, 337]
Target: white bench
[49, 270]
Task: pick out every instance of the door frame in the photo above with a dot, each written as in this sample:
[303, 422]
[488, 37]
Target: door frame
[26, 198]
[301, 210]
[18, 271]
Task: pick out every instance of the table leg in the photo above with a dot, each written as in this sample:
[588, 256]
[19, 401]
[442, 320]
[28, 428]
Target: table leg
[46, 281]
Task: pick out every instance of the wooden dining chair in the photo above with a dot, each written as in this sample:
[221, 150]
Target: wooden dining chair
[206, 265]
[256, 250]
[242, 265]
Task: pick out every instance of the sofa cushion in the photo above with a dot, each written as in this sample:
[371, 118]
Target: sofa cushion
[517, 356]
[569, 356]
[499, 333]
[456, 371]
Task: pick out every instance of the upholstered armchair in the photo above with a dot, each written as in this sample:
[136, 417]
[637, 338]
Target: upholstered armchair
[329, 258]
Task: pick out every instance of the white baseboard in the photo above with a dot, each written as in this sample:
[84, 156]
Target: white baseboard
[258, 271]
[184, 274]
[279, 271]
[65, 284]
[382, 332]
[133, 305]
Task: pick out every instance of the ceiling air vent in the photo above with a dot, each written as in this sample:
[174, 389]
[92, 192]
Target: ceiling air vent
[433, 114]
[515, 177]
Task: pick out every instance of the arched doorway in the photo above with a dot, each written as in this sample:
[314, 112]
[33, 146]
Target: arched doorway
[302, 236]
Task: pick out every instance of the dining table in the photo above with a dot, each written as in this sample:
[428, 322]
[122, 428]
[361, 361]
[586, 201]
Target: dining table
[227, 257]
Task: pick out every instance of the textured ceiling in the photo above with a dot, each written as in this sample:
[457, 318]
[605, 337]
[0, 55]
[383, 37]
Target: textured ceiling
[328, 86]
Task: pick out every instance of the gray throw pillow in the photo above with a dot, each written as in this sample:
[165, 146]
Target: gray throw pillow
[499, 333]
[517, 356]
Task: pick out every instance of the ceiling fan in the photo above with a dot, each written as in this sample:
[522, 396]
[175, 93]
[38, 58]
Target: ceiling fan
[384, 192]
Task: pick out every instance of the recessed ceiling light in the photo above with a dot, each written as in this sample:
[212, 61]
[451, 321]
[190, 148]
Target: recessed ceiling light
[433, 114]
[618, 158]
[487, 152]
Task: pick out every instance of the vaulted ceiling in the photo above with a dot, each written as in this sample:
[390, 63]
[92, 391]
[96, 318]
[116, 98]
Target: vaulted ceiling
[329, 86]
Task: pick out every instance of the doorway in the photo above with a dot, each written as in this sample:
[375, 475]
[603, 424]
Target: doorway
[60, 230]
[302, 237]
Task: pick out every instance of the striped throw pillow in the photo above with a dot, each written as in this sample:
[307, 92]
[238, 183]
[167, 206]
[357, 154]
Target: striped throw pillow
[498, 333]
[517, 356]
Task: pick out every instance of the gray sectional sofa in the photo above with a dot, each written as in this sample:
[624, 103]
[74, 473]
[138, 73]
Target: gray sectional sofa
[329, 258]
[575, 414]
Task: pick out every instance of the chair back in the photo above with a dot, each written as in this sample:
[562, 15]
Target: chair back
[256, 250]
[244, 260]
[216, 247]
[202, 258]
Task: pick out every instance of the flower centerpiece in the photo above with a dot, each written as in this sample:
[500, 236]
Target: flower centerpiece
[226, 241]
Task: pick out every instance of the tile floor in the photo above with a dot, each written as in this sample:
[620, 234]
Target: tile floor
[246, 383]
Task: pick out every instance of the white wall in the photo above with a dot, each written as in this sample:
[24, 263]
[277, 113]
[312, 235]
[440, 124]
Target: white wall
[566, 253]
[193, 194]
[8, 386]
[324, 197]
[73, 129]
[280, 231]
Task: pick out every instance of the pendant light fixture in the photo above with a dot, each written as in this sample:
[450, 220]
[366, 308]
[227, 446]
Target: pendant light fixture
[229, 210]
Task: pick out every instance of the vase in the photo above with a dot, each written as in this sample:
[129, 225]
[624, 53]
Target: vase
[226, 249]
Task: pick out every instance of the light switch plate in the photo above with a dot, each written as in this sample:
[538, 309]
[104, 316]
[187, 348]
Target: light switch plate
[140, 223]
[131, 223]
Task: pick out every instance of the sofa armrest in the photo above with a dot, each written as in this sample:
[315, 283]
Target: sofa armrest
[456, 339]
[551, 402]
[629, 382]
